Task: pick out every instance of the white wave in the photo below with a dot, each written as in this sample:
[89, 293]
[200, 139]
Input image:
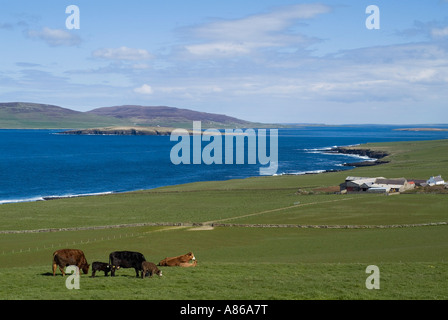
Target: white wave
[299, 173]
[365, 158]
[21, 200]
[315, 150]
[53, 197]
[77, 195]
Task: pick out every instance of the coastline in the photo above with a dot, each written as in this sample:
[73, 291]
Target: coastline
[374, 156]
[421, 129]
[355, 150]
[139, 131]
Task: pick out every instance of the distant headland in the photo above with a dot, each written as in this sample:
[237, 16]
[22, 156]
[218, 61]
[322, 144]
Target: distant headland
[422, 129]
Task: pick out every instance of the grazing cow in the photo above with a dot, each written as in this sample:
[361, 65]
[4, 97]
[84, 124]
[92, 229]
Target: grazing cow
[69, 257]
[151, 268]
[180, 261]
[100, 266]
[126, 259]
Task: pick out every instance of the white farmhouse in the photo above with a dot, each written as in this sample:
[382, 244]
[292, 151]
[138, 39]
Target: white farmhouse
[434, 181]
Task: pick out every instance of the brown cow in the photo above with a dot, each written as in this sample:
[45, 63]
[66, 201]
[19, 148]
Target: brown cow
[150, 268]
[180, 261]
[69, 257]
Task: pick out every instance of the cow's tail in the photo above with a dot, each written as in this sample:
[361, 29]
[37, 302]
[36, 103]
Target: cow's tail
[54, 265]
[54, 256]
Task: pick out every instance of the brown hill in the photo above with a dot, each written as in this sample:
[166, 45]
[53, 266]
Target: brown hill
[26, 115]
[168, 116]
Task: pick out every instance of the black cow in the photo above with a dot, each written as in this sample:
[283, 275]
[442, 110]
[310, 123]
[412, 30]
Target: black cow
[100, 266]
[126, 259]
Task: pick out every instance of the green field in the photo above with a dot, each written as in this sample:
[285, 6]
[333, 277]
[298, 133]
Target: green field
[300, 261]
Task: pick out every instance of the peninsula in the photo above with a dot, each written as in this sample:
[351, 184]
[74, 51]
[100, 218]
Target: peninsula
[123, 130]
[373, 154]
[422, 129]
[136, 131]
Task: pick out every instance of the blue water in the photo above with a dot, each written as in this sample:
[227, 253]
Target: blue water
[42, 163]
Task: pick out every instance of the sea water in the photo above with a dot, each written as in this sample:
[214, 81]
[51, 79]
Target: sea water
[44, 164]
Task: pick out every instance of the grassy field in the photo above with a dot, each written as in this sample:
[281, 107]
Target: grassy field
[252, 263]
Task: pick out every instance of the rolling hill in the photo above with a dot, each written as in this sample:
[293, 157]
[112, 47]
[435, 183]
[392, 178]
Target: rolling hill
[24, 115]
[168, 116]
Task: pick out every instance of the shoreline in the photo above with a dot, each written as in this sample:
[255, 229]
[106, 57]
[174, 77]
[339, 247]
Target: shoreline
[373, 156]
[143, 131]
[421, 129]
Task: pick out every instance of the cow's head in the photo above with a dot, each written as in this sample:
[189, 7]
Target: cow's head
[85, 268]
[159, 273]
[191, 256]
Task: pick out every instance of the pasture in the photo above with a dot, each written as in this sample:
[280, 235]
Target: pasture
[251, 262]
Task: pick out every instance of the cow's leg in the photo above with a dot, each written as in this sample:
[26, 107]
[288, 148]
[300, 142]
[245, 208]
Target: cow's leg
[143, 274]
[112, 271]
[54, 268]
[187, 264]
[136, 272]
[105, 273]
[93, 273]
[62, 270]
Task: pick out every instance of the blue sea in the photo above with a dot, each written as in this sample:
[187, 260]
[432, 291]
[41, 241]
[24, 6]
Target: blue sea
[38, 164]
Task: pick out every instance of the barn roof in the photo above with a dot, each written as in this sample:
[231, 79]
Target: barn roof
[400, 181]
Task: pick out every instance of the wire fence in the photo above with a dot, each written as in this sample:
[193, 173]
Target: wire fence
[59, 245]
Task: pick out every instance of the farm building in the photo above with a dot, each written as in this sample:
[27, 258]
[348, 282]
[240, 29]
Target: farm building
[375, 185]
[435, 181]
[357, 184]
[419, 182]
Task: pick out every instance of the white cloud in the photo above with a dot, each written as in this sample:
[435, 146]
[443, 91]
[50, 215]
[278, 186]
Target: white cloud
[256, 26]
[144, 89]
[439, 33]
[219, 48]
[122, 53]
[55, 37]
[140, 66]
[242, 36]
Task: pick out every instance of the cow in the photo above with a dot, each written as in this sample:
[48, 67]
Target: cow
[100, 266]
[69, 257]
[151, 268]
[126, 259]
[180, 261]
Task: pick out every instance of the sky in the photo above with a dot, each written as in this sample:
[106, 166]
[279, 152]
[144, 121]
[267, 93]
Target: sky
[281, 61]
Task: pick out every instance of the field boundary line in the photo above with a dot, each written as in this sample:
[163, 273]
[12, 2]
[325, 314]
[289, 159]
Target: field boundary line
[214, 224]
[352, 226]
[279, 209]
[117, 226]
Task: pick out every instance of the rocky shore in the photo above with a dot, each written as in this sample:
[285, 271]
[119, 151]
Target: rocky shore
[129, 131]
[138, 131]
[373, 154]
